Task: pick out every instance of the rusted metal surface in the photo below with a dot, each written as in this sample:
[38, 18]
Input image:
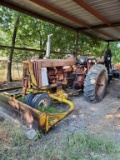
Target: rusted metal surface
[56, 62]
[33, 71]
[19, 111]
[31, 117]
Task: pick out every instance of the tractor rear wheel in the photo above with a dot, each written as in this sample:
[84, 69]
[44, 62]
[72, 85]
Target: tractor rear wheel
[95, 83]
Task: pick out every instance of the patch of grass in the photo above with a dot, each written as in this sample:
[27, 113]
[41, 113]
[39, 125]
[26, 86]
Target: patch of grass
[21, 98]
[13, 141]
[81, 146]
[11, 134]
[50, 109]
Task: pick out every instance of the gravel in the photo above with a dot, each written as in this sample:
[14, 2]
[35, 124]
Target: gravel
[100, 118]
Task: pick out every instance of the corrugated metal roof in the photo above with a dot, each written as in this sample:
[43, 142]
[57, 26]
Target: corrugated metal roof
[110, 9]
[75, 10]
[99, 18]
[42, 11]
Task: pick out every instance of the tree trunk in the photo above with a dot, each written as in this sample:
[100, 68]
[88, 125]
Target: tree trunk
[9, 69]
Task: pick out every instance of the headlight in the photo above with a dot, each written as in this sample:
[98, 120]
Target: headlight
[94, 61]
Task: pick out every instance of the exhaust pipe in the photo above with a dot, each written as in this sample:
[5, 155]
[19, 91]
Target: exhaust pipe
[48, 46]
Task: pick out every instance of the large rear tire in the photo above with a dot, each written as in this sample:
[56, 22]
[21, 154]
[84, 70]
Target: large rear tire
[95, 83]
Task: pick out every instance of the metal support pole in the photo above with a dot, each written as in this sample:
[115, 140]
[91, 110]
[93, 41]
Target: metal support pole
[108, 45]
[77, 37]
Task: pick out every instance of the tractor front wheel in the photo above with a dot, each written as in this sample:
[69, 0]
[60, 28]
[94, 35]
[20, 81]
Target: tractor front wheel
[95, 83]
[43, 101]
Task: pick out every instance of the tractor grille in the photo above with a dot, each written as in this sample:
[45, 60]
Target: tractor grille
[37, 72]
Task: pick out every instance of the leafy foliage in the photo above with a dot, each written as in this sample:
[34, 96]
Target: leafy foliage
[32, 33]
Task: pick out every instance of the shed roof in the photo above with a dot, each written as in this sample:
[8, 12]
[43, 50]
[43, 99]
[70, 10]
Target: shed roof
[96, 18]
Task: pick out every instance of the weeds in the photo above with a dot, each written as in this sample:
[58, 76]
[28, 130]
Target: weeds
[81, 146]
[50, 109]
[13, 141]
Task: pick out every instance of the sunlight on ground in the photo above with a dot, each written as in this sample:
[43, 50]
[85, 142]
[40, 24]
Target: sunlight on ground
[93, 109]
[118, 126]
[112, 116]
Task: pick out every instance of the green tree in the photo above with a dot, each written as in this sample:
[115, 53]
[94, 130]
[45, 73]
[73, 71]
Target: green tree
[19, 30]
[9, 71]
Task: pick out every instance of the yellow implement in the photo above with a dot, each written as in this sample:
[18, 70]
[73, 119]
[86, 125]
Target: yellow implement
[43, 121]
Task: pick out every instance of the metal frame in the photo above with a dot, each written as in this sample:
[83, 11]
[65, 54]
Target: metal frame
[83, 25]
[31, 115]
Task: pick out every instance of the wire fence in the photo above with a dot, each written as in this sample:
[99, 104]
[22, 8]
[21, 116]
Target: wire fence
[16, 70]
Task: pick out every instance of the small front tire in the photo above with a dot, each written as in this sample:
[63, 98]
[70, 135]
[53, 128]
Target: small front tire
[43, 101]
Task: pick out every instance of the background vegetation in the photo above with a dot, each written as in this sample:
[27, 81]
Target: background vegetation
[19, 30]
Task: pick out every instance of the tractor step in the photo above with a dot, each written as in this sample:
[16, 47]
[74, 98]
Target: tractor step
[73, 92]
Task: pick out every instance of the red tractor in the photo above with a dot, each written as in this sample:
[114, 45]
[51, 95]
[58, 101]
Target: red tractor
[92, 76]
[49, 76]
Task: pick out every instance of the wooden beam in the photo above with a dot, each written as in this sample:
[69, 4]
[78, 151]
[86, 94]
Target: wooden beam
[63, 14]
[116, 24]
[118, 40]
[59, 12]
[92, 11]
[30, 13]
[29, 49]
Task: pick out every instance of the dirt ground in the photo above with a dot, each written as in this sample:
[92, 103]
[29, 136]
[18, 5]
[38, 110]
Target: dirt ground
[102, 118]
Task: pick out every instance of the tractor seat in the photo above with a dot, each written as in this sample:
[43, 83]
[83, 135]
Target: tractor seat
[82, 60]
